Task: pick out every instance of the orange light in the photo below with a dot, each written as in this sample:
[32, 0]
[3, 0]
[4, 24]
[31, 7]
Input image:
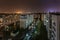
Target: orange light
[19, 12]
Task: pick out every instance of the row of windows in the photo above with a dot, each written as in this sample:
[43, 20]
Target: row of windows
[53, 30]
[52, 35]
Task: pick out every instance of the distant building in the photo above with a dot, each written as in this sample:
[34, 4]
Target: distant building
[26, 20]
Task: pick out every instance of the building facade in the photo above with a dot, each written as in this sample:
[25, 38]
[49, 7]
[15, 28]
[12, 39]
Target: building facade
[26, 20]
[52, 22]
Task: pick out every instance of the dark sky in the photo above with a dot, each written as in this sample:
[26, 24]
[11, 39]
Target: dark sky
[29, 5]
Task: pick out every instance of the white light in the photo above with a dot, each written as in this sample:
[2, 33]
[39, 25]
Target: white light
[46, 20]
[27, 35]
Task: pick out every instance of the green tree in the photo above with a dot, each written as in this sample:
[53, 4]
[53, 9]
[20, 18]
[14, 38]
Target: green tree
[42, 32]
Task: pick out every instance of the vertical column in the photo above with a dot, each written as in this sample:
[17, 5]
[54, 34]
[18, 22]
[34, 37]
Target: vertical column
[48, 24]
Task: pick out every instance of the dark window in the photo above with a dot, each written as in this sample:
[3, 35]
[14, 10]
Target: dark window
[54, 28]
[54, 23]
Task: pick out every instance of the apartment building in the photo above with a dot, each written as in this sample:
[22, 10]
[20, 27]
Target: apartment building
[26, 20]
[52, 22]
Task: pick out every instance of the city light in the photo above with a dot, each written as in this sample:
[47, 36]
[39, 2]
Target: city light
[19, 12]
[51, 10]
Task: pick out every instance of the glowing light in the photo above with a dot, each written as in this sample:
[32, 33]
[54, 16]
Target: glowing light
[51, 10]
[19, 12]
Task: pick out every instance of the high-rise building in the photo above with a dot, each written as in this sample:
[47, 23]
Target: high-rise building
[52, 22]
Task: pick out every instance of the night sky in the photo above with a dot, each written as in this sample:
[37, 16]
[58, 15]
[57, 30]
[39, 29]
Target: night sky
[29, 5]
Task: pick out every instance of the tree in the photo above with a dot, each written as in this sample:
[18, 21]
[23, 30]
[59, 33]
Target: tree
[42, 32]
